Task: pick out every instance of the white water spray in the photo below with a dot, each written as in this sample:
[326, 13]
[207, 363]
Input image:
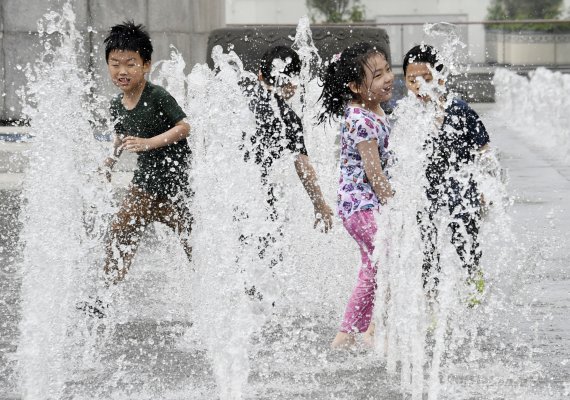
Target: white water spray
[250, 351]
[56, 257]
[419, 336]
[540, 101]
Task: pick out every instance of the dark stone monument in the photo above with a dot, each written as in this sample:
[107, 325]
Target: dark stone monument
[251, 41]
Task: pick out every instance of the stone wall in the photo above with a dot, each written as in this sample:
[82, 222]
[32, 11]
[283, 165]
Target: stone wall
[183, 23]
[528, 48]
[251, 41]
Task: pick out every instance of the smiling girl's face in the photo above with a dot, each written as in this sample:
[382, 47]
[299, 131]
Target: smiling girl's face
[377, 84]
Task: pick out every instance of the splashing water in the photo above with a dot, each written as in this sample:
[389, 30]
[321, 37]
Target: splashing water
[66, 211]
[544, 94]
[170, 75]
[190, 331]
[223, 262]
[432, 343]
[57, 249]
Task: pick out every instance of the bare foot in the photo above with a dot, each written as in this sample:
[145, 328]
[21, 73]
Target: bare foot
[371, 329]
[368, 340]
[343, 340]
[368, 336]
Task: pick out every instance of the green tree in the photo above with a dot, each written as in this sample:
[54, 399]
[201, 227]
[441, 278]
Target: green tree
[336, 11]
[527, 9]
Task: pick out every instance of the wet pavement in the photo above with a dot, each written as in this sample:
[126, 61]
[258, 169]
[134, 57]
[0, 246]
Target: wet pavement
[292, 360]
[540, 185]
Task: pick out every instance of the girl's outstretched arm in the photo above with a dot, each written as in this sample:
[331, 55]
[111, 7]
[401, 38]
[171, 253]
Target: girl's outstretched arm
[373, 168]
[308, 177]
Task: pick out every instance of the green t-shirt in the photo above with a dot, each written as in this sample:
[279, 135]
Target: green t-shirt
[161, 171]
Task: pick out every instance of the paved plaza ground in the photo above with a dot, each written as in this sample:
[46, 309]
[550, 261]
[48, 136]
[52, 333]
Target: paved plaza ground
[540, 185]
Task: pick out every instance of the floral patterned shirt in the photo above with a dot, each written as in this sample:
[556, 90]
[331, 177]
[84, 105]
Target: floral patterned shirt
[354, 191]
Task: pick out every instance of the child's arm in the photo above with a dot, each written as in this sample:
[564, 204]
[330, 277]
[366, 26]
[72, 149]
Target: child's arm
[373, 168]
[308, 177]
[484, 149]
[178, 132]
[110, 161]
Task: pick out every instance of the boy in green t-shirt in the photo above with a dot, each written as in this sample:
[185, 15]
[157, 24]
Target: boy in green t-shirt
[148, 121]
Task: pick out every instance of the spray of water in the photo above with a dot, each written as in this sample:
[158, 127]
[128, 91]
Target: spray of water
[224, 263]
[544, 94]
[252, 348]
[56, 256]
[428, 338]
[67, 208]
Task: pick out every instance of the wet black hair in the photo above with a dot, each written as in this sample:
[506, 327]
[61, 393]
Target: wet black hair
[350, 67]
[281, 53]
[423, 53]
[129, 37]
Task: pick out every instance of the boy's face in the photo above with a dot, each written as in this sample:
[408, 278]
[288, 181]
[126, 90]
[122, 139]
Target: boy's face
[286, 90]
[127, 69]
[285, 86]
[419, 80]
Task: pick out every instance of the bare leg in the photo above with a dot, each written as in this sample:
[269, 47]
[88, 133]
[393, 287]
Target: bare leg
[176, 216]
[125, 233]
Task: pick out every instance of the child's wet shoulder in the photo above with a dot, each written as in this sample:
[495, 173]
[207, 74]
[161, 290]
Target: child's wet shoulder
[459, 107]
[156, 90]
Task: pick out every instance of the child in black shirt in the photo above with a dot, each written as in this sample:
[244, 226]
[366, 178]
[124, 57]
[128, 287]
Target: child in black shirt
[278, 133]
[279, 128]
[451, 188]
[147, 121]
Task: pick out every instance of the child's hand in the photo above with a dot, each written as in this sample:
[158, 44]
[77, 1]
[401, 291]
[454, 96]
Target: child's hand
[106, 168]
[105, 171]
[135, 144]
[485, 207]
[323, 213]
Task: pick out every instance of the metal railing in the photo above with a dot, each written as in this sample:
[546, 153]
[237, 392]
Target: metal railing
[508, 42]
[512, 43]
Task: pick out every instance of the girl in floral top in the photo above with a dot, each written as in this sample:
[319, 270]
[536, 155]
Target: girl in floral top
[354, 85]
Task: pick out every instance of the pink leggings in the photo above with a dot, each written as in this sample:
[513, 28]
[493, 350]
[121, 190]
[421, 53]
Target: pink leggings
[362, 227]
